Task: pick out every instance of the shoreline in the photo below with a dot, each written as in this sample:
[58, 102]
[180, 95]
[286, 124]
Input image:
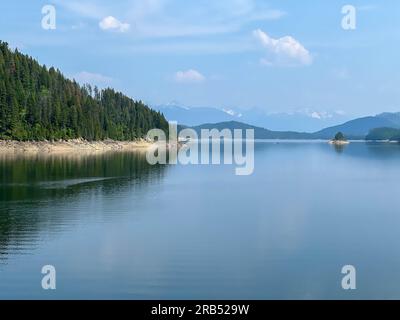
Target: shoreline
[70, 146]
[81, 146]
[339, 142]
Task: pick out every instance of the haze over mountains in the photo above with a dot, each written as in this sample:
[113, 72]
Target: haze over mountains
[360, 128]
[37, 103]
[303, 120]
[303, 124]
[259, 133]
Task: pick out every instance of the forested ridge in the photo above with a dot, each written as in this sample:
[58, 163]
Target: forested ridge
[391, 134]
[37, 103]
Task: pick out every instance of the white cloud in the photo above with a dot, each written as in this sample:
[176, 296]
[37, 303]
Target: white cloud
[182, 24]
[166, 18]
[315, 115]
[189, 76]
[232, 113]
[85, 77]
[283, 51]
[111, 23]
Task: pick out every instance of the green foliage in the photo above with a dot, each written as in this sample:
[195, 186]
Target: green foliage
[384, 134]
[339, 137]
[37, 103]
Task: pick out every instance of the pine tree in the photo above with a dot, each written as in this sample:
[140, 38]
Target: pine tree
[39, 103]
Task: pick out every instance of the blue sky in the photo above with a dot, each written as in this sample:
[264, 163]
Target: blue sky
[278, 56]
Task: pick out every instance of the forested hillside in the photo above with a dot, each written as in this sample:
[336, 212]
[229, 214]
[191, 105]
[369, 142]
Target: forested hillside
[37, 103]
[391, 134]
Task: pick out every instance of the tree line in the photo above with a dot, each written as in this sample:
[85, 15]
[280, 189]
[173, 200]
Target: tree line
[391, 134]
[37, 103]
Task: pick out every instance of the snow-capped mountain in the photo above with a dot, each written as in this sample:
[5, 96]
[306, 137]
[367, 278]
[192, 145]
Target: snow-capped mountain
[195, 116]
[302, 120]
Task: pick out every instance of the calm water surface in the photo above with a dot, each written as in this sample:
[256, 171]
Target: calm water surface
[115, 227]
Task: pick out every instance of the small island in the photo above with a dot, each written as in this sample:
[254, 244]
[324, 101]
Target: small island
[339, 139]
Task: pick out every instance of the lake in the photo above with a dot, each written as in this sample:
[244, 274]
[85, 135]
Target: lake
[115, 227]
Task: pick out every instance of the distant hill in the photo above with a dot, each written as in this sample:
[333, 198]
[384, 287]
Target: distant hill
[390, 134]
[194, 116]
[359, 128]
[259, 133]
[305, 120]
[394, 118]
[39, 103]
[381, 127]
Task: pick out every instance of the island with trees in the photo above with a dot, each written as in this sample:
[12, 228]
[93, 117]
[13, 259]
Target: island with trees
[339, 139]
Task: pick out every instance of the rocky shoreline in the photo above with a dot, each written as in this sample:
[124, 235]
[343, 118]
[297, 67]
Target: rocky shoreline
[70, 146]
[339, 142]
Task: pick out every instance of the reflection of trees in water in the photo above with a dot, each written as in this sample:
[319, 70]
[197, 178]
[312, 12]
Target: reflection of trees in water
[29, 183]
[339, 148]
[371, 151]
[366, 151]
[384, 150]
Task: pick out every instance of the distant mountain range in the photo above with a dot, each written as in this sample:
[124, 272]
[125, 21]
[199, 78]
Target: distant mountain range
[359, 128]
[304, 124]
[259, 133]
[305, 120]
[388, 134]
[355, 129]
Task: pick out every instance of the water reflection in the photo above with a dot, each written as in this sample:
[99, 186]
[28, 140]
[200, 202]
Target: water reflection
[31, 184]
[339, 148]
[118, 228]
[369, 151]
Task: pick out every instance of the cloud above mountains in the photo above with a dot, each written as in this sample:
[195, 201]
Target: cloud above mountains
[113, 24]
[169, 18]
[189, 76]
[285, 51]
